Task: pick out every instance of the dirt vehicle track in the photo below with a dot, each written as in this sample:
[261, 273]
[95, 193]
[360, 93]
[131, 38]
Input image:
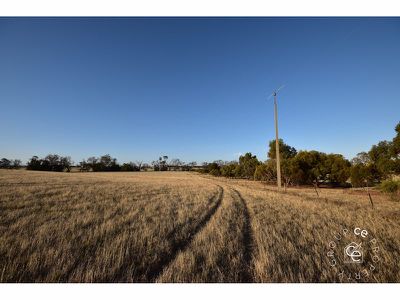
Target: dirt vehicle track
[248, 241]
[181, 244]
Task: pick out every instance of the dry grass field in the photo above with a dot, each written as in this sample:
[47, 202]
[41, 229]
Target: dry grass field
[184, 227]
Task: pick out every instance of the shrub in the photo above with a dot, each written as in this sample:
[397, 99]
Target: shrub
[248, 164]
[215, 172]
[264, 172]
[228, 170]
[364, 175]
[212, 169]
[130, 167]
[390, 187]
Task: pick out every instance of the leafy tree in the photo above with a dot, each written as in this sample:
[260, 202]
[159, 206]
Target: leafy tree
[228, 170]
[33, 163]
[139, 164]
[155, 165]
[287, 170]
[285, 150]
[66, 163]
[17, 163]
[265, 171]
[381, 162]
[395, 150]
[51, 162]
[248, 164]
[215, 172]
[308, 167]
[361, 158]
[130, 167]
[176, 164]
[103, 164]
[362, 175]
[212, 168]
[338, 168]
[219, 162]
[160, 164]
[239, 171]
[380, 155]
[5, 163]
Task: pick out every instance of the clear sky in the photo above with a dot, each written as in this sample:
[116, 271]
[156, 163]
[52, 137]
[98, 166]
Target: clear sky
[195, 88]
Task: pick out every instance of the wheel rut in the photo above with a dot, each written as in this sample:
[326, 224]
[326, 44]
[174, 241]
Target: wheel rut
[248, 240]
[181, 245]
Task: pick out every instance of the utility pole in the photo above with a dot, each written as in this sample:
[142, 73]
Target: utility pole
[278, 159]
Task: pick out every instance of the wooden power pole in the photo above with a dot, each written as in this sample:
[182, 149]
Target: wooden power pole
[278, 160]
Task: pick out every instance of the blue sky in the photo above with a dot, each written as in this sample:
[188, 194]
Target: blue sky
[195, 88]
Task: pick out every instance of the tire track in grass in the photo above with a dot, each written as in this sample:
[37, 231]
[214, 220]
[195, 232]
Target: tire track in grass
[222, 252]
[180, 245]
[248, 241]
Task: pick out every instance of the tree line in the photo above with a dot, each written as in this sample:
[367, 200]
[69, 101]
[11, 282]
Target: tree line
[380, 164]
[297, 168]
[10, 163]
[104, 163]
[51, 162]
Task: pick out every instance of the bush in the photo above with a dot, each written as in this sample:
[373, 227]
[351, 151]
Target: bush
[212, 169]
[228, 170]
[215, 172]
[390, 187]
[130, 167]
[363, 175]
[248, 164]
[264, 172]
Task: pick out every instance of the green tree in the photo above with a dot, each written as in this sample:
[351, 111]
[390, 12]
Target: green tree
[5, 163]
[395, 150]
[381, 157]
[238, 171]
[51, 162]
[212, 168]
[248, 164]
[285, 150]
[307, 167]
[130, 167]
[266, 171]
[362, 175]
[338, 168]
[215, 172]
[396, 142]
[228, 170]
[361, 158]
[17, 163]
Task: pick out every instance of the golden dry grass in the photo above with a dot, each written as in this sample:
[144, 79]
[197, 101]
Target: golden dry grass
[183, 227]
